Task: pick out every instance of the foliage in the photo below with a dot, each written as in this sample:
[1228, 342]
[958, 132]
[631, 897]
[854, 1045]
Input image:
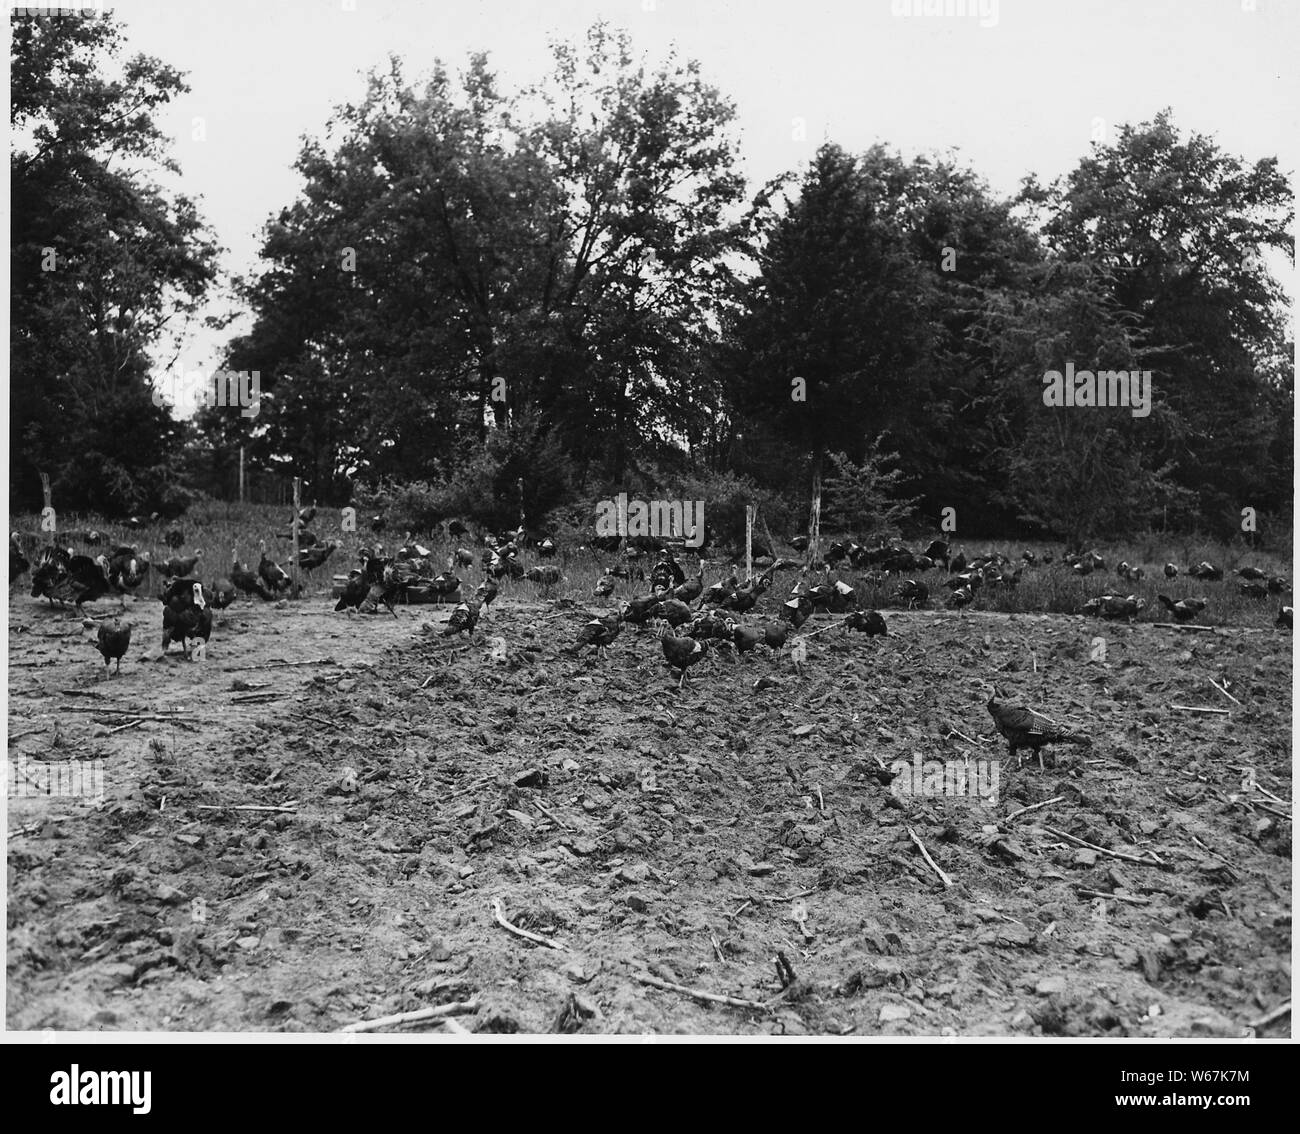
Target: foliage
[861, 497]
[103, 259]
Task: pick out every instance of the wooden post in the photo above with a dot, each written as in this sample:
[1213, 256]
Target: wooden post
[749, 541]
[297, 492]
[241, 474]
[815, 519]
[522, 522]
[49, 522]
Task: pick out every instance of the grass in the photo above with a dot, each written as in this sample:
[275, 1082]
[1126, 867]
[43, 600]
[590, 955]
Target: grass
[216, 527]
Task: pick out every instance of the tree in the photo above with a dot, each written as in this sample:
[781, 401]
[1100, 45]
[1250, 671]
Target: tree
[103, 259]
[454, 265]
[835, 329]
[1179, 227]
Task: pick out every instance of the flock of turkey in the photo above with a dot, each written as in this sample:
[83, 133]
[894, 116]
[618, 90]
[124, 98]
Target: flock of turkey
[689, 619]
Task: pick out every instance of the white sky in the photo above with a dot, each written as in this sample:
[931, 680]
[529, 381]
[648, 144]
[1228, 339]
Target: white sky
[1020, 95]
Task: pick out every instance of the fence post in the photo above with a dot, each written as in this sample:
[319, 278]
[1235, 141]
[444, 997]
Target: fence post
[297, 488]
[749, 541]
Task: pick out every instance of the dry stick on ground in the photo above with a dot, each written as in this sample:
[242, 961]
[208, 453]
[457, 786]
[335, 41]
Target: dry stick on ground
[1283, 1009]
[953, 732]
[1154, 860]
[732, 916]
[1199, 709]
[104, 709]
[926, 855]
[1034, 807]
[278, 665]
[552, 816]
[1271, 810]
[524, 933]
[1181, 626]
[1223, 689]
[1114, 897]
[695, 993]
[246, 807]
[129, 724]
[419, 1014]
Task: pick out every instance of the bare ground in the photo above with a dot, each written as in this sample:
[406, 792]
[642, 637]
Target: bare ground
[688, 838]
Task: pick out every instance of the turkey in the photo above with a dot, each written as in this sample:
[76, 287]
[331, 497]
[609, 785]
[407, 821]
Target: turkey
[1253, 588]
[113, 642]
[486, 592]
[413, 549]
[599, 632]
[223, 593]
[605, 584]
[462, 621]
[503, 562]
[692, 588]
[962, 596]
[957, 564]
[1027, 728]
[1029, 558]
[682, 653]
[186, 617]
[271, 573]
[799, 542]
[354, 593]
[715, 594]
[457, 530]
[305, 539]
[1278, 585]
[1171, 570]
[1184, 609]
[673, 611]
[127, 569]
[746, 638]
[1284, 617]
[870, 623]
[775, 635]
[1207, 571]
[306, 516]
[797, 609]
[18, 562]
[710, 624]
[175, 539]
[244, 579]
[744, 597]
[547, 575]
[667, 572]
[1115, 606]
[177, 568]
[914, 593]
[546, 549]
[311, 558]
[938, 551]
[1250, 573]
[75, 579]
[640, 610]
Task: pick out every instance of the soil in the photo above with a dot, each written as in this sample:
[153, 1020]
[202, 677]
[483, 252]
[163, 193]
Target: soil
[738, 842]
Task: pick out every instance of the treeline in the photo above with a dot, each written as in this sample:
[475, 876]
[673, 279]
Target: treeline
[572, 287]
